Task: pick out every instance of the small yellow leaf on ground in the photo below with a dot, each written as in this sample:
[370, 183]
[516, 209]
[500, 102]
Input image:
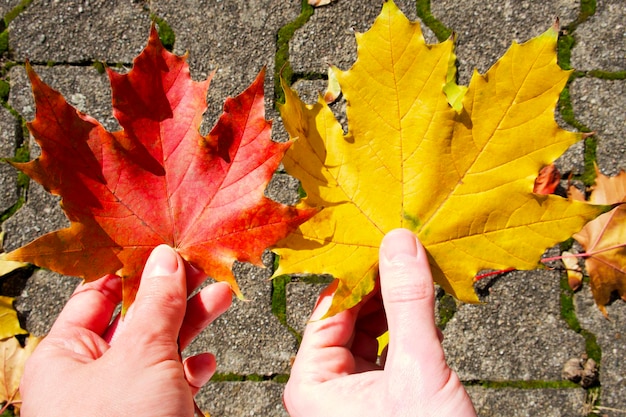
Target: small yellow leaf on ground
[9, 324]
[574, 271]
[13, 356]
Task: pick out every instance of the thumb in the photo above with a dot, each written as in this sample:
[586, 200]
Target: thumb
[408, 296]
[161, 301]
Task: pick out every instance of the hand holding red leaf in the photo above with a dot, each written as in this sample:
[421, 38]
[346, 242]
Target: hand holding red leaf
[157, 180]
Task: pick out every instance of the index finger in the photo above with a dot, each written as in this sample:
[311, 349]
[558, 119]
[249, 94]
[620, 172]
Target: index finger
[91, 306]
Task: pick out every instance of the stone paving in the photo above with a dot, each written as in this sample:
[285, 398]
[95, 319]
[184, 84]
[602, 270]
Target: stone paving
[509, 351]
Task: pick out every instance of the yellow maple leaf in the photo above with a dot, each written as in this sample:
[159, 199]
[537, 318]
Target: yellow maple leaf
[6, 267]
[9, 323]
[455, 165]
[604, 240]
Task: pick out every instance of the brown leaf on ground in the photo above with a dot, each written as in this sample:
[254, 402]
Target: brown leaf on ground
[604, 240]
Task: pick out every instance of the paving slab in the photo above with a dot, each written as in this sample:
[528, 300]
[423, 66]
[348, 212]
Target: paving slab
[485, 29]
[518, 334]
[611, 337]
[328, 37]
[535, 402]
[601, 40]
[7, 5]
[84, 88]
[246, 398]
[301, 298]
[234, 38]
[77, 31]
[9, 193]
[42, 299]
[248, 338]
[595, 104]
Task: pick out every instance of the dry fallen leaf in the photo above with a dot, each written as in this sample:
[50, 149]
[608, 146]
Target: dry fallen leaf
[604, 240]
[318, 3]
[13, 356]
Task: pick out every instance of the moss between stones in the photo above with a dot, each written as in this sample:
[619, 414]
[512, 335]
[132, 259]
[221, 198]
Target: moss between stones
[568, 313]
[15, 11]
[166, 34]
[232, 377]
[439, 29]
[447, 308]
[281, 58]
[533, 384]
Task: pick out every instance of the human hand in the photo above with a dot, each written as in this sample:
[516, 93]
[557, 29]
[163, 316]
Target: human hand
[335, 372]
[86, 367]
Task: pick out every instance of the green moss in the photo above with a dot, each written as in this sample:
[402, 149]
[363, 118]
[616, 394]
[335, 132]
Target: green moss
[316, 279]
[8, 412]
[587, 9]
[4, 42]
[4, 90]
[439, 29]
[16, 11]
[166, 34]
[279, 298]
[607, 75]
[232, 377]
[11, 210]
[281, 378]
[100, 67]
[568, 314]
[526, 384]
[219, 377]
[588, 176]
[281, 58]
[564, 47]
[279, 303]
[447, 308]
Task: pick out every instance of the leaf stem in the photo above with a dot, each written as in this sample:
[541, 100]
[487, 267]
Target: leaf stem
[584, 254]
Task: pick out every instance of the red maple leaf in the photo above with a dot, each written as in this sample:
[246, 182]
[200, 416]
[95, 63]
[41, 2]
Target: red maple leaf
[157, 180]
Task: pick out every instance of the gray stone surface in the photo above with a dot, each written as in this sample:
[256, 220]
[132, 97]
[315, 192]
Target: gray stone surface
[486, 29]
[610, 335]
[79, 31]
[505, 339]
[227, 399]
[595, 105]
[249, 339]
[512, 402]
[39, 215]
[601, 40]
[8, 175]
[234, 38]
[328, 37]
[42, 299]
[301, 298]
[7, 5]
[83, 87]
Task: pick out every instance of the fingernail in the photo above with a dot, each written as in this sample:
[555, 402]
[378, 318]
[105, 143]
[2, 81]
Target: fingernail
[399, 242]
[162, 261]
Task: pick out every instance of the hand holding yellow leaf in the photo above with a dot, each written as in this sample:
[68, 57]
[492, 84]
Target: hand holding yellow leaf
[455, 166]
